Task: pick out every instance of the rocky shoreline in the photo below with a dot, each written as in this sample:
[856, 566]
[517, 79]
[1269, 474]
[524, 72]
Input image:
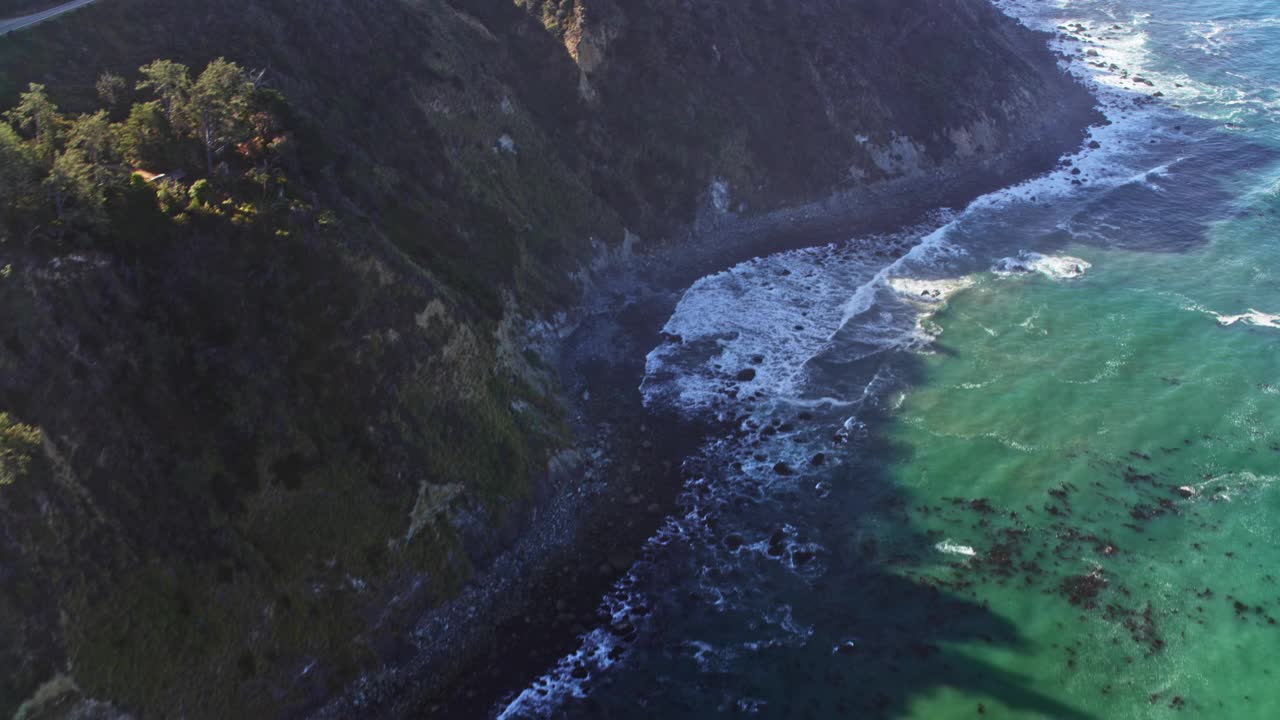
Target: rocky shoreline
[527, 610]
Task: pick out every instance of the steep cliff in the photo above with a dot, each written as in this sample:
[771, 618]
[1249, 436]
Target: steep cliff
[241, 465]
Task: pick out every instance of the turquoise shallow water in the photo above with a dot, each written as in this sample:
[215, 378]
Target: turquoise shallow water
[1098, 398]
[1026, 465]
[1083, 408]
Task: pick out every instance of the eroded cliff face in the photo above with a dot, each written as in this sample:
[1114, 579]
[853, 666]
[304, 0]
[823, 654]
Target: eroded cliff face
[257, 461]
[785, 101]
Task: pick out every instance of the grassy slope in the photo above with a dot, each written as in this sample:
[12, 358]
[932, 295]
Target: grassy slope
[251, 426]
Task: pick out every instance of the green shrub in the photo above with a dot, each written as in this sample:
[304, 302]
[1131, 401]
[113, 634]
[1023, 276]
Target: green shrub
[18, 443]
[201, 192]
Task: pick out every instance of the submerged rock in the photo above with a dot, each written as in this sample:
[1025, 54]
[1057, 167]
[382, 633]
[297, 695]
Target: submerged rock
[1083, 589]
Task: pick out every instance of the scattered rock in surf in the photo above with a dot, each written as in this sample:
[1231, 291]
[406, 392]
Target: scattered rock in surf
[733, 542]
[623, 629]
[1186, 491]
[757, 359]
[818, 460]
[783, 469]
[746, 375]
[848, 647]
[776, 541]
[1094, 145]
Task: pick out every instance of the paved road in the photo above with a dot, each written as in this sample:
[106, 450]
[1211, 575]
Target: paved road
[11, 24]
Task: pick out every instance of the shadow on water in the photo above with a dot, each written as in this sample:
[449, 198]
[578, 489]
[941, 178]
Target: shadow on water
[1167, 209]
[805, 596]
[810, 591]
[1170, 212]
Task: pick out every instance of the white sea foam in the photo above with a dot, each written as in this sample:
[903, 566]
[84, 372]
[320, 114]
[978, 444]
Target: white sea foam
[996, 437]
[1253, 317]
[951, 548]
[927, 252]
[930, 294]
[1054, 267]
[1225, 488]
[1115, 58]
[749, 331]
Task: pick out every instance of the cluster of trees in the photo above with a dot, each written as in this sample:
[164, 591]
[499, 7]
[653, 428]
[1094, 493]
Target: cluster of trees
[220, 131]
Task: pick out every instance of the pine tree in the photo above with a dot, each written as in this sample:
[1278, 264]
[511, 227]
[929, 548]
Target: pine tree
[219, 106]
[144, 136]
[111, 88]
[18, 175]
[76, 196]
[35, 112]
[171, 82]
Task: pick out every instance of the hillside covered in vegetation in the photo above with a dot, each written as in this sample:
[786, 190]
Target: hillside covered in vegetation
[282, 286]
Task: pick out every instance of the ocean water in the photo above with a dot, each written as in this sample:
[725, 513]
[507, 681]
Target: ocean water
[1022, 461]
